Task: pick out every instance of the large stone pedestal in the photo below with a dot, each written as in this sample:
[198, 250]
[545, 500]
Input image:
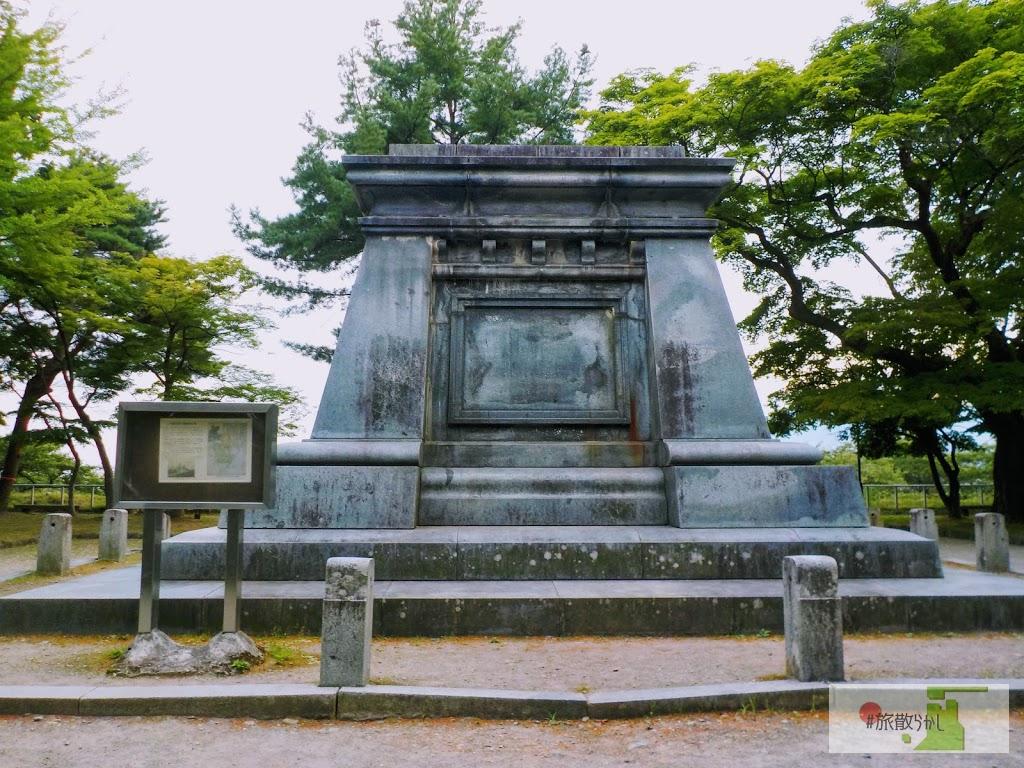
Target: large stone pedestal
[539, 337]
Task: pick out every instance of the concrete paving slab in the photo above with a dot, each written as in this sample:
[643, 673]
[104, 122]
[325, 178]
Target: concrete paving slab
[276, 701]
[774, 694]
[262, 701]
[380, 701]
[42, 699]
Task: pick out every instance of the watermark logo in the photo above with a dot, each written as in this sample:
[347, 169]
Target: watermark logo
[933, 717]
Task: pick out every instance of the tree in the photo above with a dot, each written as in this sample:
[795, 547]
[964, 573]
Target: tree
[51, 194]
[448, 80]
[897, 149]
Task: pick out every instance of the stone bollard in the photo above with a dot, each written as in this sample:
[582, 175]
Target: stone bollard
[165, 526]
[991, 542]
[922, 522]
[53, 557]
[875, 518]
[114, 535]
[347, 628]
[813, 618]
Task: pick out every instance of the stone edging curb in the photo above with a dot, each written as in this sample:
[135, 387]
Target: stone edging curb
[271, 701]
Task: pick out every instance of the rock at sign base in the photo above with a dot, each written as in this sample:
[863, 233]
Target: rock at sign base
[154, 653]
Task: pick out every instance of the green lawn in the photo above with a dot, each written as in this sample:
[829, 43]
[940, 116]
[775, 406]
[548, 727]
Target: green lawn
[960, 528]
[22, 528]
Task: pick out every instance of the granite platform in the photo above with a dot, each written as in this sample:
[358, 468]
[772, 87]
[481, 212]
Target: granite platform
[107, 602]
[524, 553]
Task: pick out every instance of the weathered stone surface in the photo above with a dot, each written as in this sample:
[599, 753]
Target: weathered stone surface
[923, 523]
[375, 388]
[449, 553]
[752, 496]
[721, 451]
[991, 542]
[705, 389]
[813, 620]
[107, 603]
[341, 497]
[53, 557]
[349, 452]
[155, 653]
[114, 535]
[541, 496]
[347, 631]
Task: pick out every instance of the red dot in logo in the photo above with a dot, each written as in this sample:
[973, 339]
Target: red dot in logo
[869, 709]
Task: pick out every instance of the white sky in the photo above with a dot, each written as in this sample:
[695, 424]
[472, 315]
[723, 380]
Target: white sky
[216, 91]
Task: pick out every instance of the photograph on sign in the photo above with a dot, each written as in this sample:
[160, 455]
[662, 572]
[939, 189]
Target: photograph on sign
[205, 451]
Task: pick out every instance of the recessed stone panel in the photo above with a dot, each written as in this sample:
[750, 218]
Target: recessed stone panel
[528, 361]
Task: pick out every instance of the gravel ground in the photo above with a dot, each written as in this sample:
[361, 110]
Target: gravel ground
[567, 664]
[712, 741]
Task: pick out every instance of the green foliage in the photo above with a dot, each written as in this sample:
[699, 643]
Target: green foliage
[448, 79]
[897, 152]
[84, 301]
[43, 462]
[903, 467]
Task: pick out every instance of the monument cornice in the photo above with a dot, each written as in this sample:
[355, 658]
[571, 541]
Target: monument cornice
[555, 227]
[614, 193]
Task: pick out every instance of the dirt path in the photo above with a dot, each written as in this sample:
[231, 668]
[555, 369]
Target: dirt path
[18, 561]
[568, 664]
[726, 741]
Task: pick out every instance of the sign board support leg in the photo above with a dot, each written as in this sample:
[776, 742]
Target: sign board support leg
[149, 593]
[233, 571]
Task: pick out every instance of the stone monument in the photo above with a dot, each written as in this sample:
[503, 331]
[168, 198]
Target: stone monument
[539, 336]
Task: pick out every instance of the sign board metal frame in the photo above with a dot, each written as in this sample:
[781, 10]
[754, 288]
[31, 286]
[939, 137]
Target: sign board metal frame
[264, 455]
[258, 493]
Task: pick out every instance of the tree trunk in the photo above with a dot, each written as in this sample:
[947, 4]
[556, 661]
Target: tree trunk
[1008, 465]
[96, 435]
[36, 389]
[73, 477]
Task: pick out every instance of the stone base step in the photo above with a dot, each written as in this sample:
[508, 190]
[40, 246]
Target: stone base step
[526, 553]
[542, 496]
[107, 603]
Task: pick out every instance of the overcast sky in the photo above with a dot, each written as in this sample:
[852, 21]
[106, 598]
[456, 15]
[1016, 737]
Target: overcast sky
[215, 92]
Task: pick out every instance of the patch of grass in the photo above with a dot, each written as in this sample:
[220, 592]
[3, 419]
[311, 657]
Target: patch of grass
[777, 676]
[22, 528]
[240, 666]
[954, 528]
[762, 633]
[280, 655]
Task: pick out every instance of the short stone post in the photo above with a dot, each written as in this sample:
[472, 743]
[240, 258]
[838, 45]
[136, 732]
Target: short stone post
[813, 618]
[922, 522]
[875, 518]
[165, 526]
[53, 557]
[114, 535]
[991, 542]
[347, 628]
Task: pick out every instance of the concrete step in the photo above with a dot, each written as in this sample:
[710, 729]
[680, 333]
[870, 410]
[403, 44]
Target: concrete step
[107, 602]
[524, 553]
[542, 496]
